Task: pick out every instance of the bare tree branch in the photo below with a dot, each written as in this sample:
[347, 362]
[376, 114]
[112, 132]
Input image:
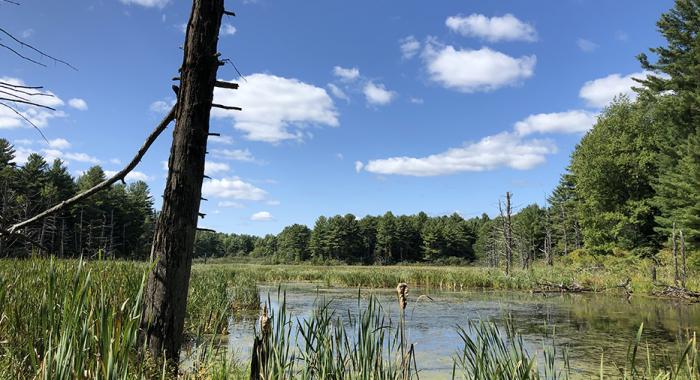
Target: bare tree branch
[26, 120]
[36, 50]
[20, 86]
[17, 89]
[29, 103]
[21, 56]
[104, 184]
[223, 107]
[11, 94]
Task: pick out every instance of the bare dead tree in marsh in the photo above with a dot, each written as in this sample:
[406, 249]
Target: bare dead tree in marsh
[564, 230]
[675, 255]
[165, 297]
[683, 265]
[547, 245]
[507, 232]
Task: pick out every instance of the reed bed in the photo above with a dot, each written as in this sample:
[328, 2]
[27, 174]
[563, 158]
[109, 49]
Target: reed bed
[604, 275]
[366, 345]
[72, 320]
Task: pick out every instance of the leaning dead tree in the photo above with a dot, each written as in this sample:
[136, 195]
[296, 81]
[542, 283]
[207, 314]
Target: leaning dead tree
[165, 297]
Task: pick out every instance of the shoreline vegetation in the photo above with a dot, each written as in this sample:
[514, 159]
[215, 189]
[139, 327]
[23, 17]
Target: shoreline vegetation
[64, 319]
[580, 272]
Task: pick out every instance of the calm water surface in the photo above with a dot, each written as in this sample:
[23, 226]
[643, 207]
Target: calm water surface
[587, 325]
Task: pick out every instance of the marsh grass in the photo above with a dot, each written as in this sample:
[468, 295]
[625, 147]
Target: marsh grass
[366, 345]
[597, 273]
[491, 352]
[74, 319]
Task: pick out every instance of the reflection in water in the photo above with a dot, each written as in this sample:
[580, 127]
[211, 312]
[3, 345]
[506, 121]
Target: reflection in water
[585, 324]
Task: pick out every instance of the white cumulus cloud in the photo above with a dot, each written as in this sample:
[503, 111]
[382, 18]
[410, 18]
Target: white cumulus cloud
[338, 92]
[230, 204]
[505, 149]
[211, 167]
[147, 3]
[276, 108]
[358, 166]
[59, 143]
[492, 29]
[222, 139]
[232, 188]
[409, 47]
[133, 175]
[262, 216]
[585, 45]
[377, 94]
[574, 121]
[228, 29]
[346, 74]
[599, 92]
[162, 106]
[234, 154]
[78, 104]
[80, 157]
[475, 70]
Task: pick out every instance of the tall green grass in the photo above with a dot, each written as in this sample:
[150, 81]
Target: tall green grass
[493, 353]
[366, 345]
[72, 319]
[598, 274]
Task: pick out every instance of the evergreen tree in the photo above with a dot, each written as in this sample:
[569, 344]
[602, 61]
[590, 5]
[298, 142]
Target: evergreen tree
[678, 194]
[293, 243]
[318, 244]
[386, 239]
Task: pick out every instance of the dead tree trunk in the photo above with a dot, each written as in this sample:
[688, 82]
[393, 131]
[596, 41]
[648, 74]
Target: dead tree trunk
[684, 268]
[564, 228]
[507, 232]
[165, 297]
[675, 256]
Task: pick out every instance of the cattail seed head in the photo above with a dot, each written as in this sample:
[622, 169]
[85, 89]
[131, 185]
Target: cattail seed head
[402, 291]
[265, 324]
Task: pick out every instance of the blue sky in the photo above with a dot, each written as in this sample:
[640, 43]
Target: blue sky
[349, 107]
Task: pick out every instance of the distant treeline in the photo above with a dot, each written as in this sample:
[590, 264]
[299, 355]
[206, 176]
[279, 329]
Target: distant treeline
[390, 239]
[117, 222]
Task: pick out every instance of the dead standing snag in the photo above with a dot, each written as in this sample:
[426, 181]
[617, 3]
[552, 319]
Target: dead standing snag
[165, 297]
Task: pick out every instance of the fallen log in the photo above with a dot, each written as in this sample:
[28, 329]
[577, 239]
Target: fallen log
[676, 292]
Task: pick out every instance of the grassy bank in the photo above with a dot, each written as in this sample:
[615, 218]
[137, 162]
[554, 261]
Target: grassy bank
[596, 273]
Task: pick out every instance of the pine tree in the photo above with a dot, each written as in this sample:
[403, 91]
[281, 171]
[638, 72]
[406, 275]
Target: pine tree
[678, 194]
[386, 238]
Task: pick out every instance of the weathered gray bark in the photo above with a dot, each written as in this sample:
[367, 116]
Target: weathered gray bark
[507, 232]
[165, 297]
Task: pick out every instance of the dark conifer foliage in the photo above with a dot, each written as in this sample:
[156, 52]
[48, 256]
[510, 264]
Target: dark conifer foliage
[116, 223]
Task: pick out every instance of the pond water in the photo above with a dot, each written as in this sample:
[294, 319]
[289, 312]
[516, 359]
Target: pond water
[586, 325]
